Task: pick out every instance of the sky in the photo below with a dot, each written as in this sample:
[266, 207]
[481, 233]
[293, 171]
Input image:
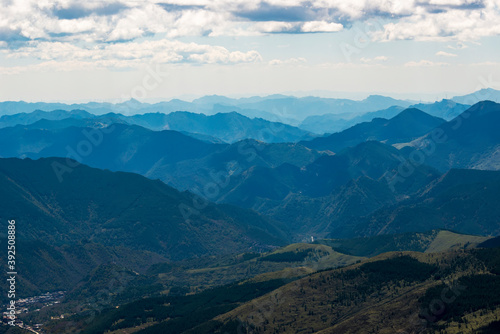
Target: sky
[74, 51]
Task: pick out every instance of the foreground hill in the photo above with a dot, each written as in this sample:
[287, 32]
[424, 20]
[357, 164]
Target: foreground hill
[406, 126]
[392, 292]
[426, 242]
[123, 209]
[49, 268]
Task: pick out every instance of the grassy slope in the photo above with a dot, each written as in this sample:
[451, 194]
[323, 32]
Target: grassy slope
[330, 301]
[357, 298]
[201, 276]
[446, 240]
[432, 241]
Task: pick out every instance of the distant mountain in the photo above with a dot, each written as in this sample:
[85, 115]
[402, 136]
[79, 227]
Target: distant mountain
[329, 123]
[466, 201]
[387, 113]
[406, 126]
[300, 108]
[119, 147]
[129, 107]
[329, 192]
[478, 96]
[276, 108]
[228, 127]
[445, 109]
[271, 116]
[122, 209]
[471, 140]
[37, 115]
[177, 159]
[317, 216]
[217, 168]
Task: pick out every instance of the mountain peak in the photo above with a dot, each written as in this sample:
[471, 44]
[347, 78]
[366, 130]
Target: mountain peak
[483, 108]
[412, 113]
[378, 98]
[481, 95]
[413, 117]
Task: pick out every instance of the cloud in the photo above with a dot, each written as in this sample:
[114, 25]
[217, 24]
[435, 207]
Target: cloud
[375, 59]
[71, 11]
[273, 12]
[445, 54]
[275, 27]
[458, 46]
[321, 26]
[296, 27]
[454, 21]
[222, 55]
[290, 61]
[129, 54]
[425, 63]
[97, 23]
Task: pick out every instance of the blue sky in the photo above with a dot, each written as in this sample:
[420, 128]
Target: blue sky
[107, 50]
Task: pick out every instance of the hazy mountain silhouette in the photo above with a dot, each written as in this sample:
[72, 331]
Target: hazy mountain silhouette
[404, 127]
[471, 140]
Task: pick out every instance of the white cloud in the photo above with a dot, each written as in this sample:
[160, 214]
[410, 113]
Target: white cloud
[425, 63]
[290, 61]
[375, 59]
[222, 55]
[459, 21]
[273, 26]
[321, 26]
[128, 54]
[81, 26]
[458, 46]
[445, 54]
[125, 20]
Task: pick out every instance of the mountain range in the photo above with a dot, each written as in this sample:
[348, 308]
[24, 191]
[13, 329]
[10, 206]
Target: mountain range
[331, 123]
[273, 107]
[407, 125]
[123, 209]
[471, 140]
[225, 127]
[461, 200]
[205, 222]
[313, 187]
